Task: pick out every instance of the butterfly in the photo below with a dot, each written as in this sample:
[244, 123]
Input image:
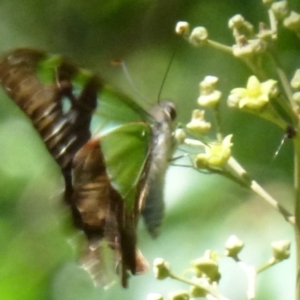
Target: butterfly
[113, 154]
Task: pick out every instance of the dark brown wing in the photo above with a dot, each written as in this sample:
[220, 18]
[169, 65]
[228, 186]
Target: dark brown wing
[64, 132]
[104, 216]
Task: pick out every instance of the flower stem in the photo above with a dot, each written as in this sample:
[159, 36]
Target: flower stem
[208, 288]
[297, 213]
[243, 177]
[267, 265]
[219, 46]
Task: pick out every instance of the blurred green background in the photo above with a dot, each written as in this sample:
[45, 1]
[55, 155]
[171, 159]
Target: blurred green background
[36, 259]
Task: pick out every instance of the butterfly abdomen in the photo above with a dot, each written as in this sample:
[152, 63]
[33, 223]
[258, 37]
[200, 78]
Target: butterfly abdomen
[162, 150]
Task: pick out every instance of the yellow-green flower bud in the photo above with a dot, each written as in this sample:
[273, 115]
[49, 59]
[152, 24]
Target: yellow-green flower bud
[234, 246]
[180, 135]
[208, 267]
[209, 96]
[208, 85]
[236, 21]
[198, 125]
[280, 9]
[154, 296]
[161, 269]
[179, 295]
[199, 36]
[182, 28]
[292, 22]
[198, 291]
[210, 100]
[210, 82]
[295, 82]
[240, 26]
[268, 2]
[281, 250]
[296, 97]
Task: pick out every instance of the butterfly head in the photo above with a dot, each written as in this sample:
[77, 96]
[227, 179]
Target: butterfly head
[164, 112]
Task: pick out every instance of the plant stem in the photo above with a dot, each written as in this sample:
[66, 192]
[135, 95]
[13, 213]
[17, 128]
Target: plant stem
[208, 288]
[219, 46]
[267, 265]
[251, 276]
[244, 179]
[297, 213]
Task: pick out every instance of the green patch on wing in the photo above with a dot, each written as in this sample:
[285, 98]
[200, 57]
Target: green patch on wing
[115, 109]
[46, 69]
[126, 149]
[80, 80]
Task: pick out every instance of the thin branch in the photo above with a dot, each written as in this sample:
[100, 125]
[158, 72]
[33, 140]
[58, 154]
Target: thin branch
[245, 179]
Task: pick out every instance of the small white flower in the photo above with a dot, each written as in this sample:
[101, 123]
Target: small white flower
[199, 36]
[182, 28]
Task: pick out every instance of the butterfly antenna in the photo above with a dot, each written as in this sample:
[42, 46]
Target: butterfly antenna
[128, 77]
[166, 74]
[289, 134]
[279, 147]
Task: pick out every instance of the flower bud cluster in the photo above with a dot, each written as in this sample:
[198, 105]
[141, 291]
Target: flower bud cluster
[245, 48]
[198, 36]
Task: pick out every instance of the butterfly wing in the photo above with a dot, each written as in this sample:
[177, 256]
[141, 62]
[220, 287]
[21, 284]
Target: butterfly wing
[109, 173]
[41, 85]
[109, 176]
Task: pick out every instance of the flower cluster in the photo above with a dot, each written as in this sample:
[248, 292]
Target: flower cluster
[268, 93]
[205, 272]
